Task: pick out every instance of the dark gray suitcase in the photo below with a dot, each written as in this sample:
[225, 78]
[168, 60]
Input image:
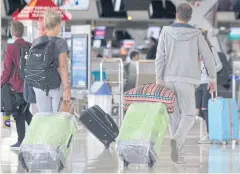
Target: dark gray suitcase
[100, 124]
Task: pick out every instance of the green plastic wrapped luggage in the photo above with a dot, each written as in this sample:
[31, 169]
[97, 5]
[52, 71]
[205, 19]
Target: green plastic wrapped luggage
[48, 141]
[142, 132]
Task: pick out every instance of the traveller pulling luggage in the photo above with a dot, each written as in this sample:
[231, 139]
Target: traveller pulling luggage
[49, 139]
[223, 118]
[142, 132]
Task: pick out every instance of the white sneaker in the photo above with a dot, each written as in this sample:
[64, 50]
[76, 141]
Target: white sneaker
[205, 140]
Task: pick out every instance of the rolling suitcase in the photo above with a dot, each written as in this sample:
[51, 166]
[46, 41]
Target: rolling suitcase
[142, 132]
[100, 124]
[48, 141]
[223, 118]
[45, 146]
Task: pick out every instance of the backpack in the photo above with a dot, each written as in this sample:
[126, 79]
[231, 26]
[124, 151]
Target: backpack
[41, 69]
[23, 55]
[223, 74]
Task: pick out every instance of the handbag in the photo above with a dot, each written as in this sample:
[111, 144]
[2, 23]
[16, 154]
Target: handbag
[7, 98]
[29, 94]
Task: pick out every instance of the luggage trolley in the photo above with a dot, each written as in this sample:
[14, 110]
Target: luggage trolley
[120, 82]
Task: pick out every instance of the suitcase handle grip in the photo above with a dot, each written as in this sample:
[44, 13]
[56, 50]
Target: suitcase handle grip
[72, 99]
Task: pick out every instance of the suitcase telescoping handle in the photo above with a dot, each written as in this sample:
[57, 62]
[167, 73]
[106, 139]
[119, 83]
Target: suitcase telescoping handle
[234, 86]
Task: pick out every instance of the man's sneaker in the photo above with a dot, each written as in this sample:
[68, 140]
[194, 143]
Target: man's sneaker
[174, 150]
[15, 147]
[205, 140]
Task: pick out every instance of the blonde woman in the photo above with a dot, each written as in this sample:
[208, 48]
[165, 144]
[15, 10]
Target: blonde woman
[48, 98]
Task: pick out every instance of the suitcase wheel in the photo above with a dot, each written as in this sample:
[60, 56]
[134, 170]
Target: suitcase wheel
[125, 163]
[107, 145]
[224, 143]
[150, 163]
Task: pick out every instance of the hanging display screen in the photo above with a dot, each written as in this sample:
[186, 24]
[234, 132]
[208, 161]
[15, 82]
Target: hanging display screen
[79, 62]
[74, 4]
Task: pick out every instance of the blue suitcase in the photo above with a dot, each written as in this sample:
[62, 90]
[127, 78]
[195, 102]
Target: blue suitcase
[223, 160]
[223, 119]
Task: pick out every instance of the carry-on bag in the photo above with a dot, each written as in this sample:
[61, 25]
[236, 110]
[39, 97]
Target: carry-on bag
[48, 141]
[142, 132]
[100, 124]
[223, 160]
[223, 118]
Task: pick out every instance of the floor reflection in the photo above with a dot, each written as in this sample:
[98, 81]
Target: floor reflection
[89, 156]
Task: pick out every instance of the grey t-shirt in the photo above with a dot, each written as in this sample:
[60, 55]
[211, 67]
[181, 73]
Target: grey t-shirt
[61, 44]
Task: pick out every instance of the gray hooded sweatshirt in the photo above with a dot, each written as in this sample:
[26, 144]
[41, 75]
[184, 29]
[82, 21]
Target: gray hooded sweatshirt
[177, 58]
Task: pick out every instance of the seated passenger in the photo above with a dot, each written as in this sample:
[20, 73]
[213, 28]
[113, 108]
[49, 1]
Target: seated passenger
[202, 92]
[130, 71]
[48, 95]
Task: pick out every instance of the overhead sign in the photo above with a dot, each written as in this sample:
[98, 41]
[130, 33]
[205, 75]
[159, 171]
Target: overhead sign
[35, 10]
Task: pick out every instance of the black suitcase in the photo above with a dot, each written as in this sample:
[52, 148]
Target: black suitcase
[100, 124]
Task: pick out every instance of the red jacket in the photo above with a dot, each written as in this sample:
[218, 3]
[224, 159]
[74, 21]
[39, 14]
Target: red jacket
[11, 60]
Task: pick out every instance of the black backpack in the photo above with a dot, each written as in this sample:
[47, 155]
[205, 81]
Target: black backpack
[223, 74]
[23, 55]
[41, 69]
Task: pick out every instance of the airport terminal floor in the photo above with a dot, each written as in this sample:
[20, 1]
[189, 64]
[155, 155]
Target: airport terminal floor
[88, 156]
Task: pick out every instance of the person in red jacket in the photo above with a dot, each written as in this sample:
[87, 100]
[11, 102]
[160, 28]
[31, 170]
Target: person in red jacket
[10, 75]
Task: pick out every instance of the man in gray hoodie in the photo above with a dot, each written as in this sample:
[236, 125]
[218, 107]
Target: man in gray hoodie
[178, 66]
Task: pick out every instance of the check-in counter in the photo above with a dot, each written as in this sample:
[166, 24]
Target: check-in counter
[147, 74]
[146, 70]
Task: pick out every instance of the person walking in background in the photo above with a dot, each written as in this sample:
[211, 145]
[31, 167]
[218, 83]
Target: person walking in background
[50, 86]
[202, 93]
[151, 54]
[130, 71]
[178, 67]
[11, 79]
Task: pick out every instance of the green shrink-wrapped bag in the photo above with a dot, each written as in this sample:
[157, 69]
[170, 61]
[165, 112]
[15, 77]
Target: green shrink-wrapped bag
[142, 132]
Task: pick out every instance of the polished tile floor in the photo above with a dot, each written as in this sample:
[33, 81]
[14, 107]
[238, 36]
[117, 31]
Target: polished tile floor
[89, 156]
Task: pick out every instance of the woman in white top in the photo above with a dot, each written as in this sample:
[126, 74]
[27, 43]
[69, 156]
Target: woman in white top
[202, 93]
